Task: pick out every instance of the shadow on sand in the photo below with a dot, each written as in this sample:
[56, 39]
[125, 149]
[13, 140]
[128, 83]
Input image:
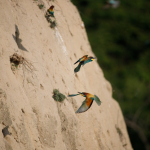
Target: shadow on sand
[18, 40]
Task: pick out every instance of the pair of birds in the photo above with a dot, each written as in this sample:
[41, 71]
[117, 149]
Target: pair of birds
[110, 3]
[86, 104]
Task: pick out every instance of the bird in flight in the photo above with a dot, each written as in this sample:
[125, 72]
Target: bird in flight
[86, 104]
[82, 61]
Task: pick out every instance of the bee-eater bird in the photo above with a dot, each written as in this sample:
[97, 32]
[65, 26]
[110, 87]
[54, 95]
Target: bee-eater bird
[86, 104]
[112, 3]
[51, 11]
[82, 61]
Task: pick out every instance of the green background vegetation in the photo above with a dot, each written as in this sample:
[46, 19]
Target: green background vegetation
[120, 38]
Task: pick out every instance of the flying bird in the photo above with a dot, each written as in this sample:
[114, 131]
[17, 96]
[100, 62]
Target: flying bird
[51, 11]
[82, 61]
[86, 104]
[112, 3]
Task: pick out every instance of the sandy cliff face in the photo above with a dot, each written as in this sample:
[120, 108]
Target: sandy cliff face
[30, 119]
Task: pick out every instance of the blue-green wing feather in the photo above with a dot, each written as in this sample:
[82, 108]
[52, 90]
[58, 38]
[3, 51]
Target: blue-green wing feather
[83, 107]
[73, 95]
[77, 61]
[97, 100]
[78, 67]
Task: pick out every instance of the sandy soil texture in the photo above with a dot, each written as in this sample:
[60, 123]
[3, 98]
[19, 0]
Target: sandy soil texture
[30, 119]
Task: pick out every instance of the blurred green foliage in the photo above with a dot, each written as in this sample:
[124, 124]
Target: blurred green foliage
[57, 96]
[120, 38]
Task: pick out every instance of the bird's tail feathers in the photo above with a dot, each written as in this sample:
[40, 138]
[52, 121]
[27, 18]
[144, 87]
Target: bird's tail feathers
[97, 100]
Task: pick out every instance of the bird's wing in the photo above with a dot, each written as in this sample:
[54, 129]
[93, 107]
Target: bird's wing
[83, 58]
[85, 105]
[73, 95]
[78, 67]
[97, 100]
[77, 61]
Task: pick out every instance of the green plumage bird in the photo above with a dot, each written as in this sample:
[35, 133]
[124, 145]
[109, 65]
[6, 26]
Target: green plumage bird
[82, 61]
[87, 103]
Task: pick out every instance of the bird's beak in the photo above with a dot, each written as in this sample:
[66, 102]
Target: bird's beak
[93, 58]
[80, 93]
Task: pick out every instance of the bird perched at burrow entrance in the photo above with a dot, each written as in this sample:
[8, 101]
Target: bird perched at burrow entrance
[51, 11]
[82, 61]
[86, 104]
